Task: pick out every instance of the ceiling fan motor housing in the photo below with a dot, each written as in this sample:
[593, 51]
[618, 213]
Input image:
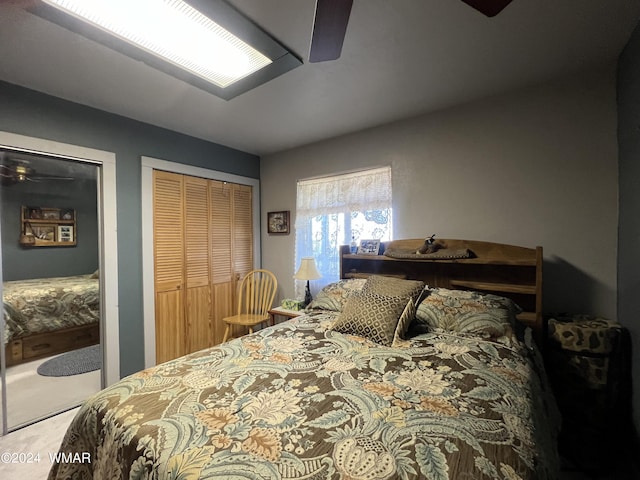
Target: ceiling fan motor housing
[22, 172]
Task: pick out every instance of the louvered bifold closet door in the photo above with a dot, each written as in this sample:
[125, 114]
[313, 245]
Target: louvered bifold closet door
[168, 234]
[242, 230]
[222, 281]
[199, 333]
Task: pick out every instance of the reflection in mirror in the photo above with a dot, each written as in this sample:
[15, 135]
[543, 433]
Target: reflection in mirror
[51, 284]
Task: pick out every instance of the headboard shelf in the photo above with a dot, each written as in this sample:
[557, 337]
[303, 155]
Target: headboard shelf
[496, 287]
[508, 270]
[482, 261]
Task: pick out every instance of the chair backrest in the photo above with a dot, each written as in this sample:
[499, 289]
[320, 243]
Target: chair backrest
[257, 291]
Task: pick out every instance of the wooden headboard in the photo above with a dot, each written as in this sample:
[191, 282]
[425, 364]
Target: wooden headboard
[506, 270]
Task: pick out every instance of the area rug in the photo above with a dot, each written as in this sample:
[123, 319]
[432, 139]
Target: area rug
[75, 362]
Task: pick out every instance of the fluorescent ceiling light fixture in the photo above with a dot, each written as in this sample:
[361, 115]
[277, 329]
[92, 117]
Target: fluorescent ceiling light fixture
[174, 31]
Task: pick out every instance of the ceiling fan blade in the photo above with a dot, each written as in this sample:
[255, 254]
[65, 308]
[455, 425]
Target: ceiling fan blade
[329, 28]
[488, 7]
[21, 173]
[40, 178]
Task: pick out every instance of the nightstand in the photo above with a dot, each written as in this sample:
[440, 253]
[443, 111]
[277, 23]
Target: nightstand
[283, 312]
[588, 361]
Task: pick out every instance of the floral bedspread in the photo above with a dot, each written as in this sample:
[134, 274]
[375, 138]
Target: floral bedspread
[299, 401]
[47, 304]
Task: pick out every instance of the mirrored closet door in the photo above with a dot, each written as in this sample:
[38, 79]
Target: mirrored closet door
[50, 241]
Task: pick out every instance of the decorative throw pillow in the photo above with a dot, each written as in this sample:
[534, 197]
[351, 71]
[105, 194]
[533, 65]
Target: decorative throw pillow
[335, 295]
[372, 316]
[408, 315]
[392, 286]
[467, 311]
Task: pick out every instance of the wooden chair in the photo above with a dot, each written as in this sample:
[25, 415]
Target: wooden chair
[255, 298]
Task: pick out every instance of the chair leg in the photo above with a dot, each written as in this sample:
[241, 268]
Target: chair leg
[226, 333]
[250, 330]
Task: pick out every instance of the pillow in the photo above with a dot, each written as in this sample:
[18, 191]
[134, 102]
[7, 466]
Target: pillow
[408, 316]
[467, 311]
[334, 296]
[371, 315]
[392, 286]
[375, 310]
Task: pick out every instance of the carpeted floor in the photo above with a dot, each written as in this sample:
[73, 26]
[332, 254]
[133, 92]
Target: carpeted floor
[31, 396]
[41, 438]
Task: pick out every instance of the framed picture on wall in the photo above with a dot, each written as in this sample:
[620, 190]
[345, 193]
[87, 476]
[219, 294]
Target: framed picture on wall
[50, 214]
[65, 233]
[278, 222]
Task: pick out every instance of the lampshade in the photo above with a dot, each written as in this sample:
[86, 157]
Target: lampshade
[307, 270]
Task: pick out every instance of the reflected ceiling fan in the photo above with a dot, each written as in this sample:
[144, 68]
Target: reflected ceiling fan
[332, 17]
[14, 171]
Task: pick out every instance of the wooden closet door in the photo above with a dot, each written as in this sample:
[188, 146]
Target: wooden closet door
[242, 230]
[199, 332]
[203, 245]
[168, 234]
[222, 281]
[242, 245]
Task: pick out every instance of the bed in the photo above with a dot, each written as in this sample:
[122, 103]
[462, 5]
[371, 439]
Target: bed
[377, 380]
[47, 316]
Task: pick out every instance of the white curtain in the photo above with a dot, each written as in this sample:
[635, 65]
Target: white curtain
[330, 210]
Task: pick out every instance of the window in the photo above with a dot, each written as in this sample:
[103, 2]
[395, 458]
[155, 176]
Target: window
[330, 211]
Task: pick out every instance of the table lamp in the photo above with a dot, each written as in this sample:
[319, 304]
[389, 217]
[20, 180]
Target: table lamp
[307, 271]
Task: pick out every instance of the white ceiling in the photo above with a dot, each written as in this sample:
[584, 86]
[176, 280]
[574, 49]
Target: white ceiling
[401, 58]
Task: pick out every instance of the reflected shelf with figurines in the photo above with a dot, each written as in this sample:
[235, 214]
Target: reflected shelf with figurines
[47, 227]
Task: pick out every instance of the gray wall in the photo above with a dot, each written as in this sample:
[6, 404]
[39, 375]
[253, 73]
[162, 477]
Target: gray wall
[629, 213]
[27, 112]
[19, 263]
[533, 167]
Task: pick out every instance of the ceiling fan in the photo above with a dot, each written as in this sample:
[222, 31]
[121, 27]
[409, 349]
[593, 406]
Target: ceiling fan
[14, 171]
[332, 17]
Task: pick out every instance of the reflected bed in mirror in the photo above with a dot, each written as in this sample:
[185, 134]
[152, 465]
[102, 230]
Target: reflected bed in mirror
[47, 316]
